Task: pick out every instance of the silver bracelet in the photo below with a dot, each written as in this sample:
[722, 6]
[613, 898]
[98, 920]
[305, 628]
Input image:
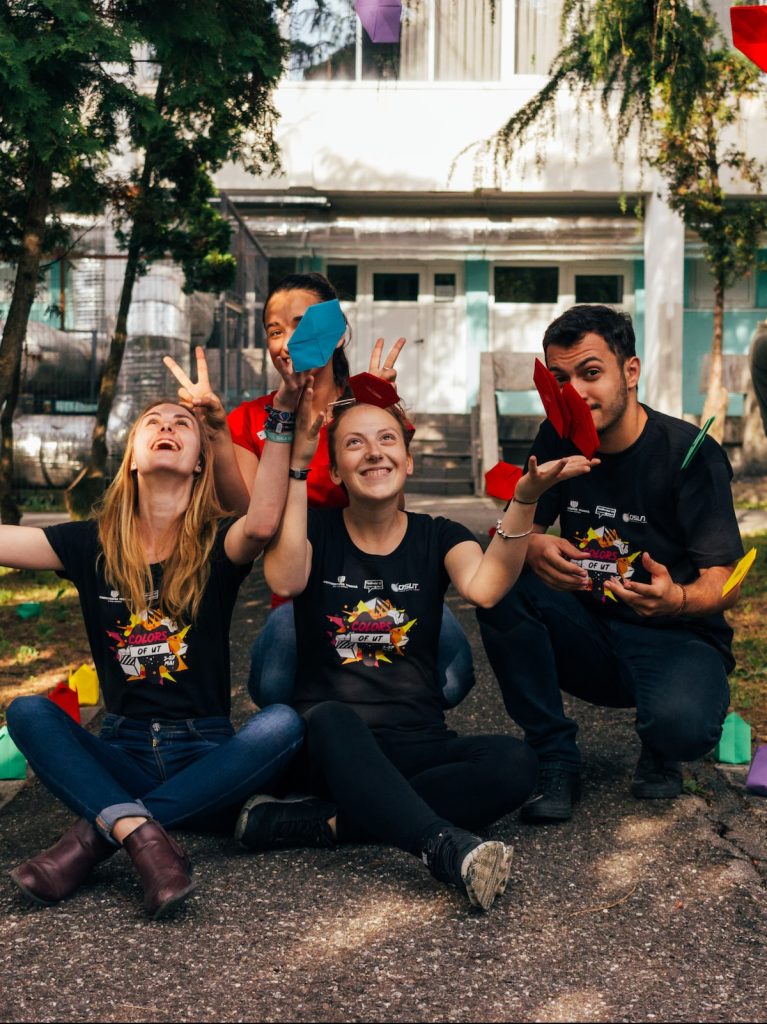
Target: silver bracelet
[510, 536]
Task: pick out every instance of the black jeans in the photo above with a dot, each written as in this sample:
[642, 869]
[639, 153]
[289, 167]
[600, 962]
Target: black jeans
[400, 787]
[541, 641]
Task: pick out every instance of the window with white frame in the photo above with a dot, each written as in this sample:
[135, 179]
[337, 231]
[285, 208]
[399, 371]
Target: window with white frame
[537, 35]
[440, 40]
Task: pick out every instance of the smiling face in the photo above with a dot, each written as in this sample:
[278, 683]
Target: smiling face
[283, 314]
[369, 454]
[593, 369]
[166, 438]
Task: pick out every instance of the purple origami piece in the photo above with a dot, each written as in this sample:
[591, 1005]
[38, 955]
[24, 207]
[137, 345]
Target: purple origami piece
[380, 19]
[757, 773]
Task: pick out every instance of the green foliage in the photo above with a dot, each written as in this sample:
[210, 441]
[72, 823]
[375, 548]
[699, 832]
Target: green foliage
[60, 106]
[216, 63]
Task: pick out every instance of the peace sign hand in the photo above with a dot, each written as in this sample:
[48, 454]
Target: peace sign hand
[387, 371]
[199, 397]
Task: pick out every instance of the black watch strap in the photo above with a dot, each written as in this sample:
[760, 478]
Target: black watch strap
[298, 474]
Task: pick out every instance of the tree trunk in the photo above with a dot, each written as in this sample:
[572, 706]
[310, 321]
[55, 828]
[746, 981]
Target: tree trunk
[15, 331]
[717, 395]
[89, 484]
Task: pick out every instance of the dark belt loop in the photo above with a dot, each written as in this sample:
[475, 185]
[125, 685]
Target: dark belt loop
[192, 729]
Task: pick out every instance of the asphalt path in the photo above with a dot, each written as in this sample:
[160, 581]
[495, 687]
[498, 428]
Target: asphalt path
[633, 911]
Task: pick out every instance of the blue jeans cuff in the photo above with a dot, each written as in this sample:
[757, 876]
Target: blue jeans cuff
[109, 816]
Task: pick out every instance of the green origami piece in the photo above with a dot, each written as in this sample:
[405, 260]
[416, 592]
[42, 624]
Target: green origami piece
[699, 438]
[734, 746]
[13, 764]
[28, 610]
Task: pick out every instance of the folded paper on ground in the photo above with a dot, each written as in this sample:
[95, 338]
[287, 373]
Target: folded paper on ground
[85, 681]
[734, 746]
[66, 700]
[13, 764]
[756, 782]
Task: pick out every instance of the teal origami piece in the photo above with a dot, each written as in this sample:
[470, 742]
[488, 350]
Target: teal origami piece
[697, 442]
[28, 610]
[314, 340]
[734, 746]
[13, 764]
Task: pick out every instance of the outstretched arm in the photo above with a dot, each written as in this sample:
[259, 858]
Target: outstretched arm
[484, 579]
[26, 547]
[288, 557]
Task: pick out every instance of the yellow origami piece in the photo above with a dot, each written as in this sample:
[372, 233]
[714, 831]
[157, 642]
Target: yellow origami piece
[739, 571]
[85, 681]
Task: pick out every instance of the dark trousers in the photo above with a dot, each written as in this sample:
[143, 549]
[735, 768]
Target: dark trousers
[541, 641]
[399, 788]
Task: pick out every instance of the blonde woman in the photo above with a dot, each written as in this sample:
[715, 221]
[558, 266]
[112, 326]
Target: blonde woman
[157, 574]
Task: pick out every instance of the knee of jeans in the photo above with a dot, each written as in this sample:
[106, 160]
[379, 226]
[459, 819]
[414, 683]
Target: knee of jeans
[25, 712]
[282, 721]
[683, 734]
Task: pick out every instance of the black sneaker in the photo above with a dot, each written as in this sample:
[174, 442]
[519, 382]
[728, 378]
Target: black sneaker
[558, 788]
[656, 777]
[479, 869]
[266, 823]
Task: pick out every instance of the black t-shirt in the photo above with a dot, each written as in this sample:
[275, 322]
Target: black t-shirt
[368, 625]
[150, 666]
[640, 500]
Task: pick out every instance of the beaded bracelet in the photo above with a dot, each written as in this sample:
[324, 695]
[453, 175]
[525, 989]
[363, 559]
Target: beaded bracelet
[509, 536]
[281, 436]
[683, 605]
[280, 425]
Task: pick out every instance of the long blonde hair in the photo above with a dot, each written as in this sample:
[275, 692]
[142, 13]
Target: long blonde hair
[187, 570]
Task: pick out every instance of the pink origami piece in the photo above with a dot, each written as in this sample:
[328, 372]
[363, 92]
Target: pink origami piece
[380, 19]
[749, 33]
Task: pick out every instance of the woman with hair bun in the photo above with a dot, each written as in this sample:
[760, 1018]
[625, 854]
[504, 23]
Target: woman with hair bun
[273, 657]
[368, 582]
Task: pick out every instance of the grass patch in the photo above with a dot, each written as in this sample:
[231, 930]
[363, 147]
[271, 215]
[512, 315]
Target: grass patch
[35, 654]
[748, 618]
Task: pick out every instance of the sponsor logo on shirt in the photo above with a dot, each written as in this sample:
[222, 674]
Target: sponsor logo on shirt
[603, 512]
[341, 582]
[629, 517]
[576, 509]
[399, 588]
[113, 597]
[373, 585]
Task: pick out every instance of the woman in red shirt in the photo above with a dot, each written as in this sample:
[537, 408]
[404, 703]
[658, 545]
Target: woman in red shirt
[273, 657]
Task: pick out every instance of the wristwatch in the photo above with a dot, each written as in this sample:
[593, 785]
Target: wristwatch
[298, 474]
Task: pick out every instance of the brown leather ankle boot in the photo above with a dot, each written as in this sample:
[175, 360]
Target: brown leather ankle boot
[164, 868]
[54, 874]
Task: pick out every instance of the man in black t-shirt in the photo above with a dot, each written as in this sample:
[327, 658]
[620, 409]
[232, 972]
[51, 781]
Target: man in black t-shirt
[625, 608]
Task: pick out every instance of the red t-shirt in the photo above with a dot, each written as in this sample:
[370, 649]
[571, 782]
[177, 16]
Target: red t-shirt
[246, 425]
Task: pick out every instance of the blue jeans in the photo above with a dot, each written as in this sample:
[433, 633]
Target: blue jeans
[177, 772]
[540, 641]
[274, 658]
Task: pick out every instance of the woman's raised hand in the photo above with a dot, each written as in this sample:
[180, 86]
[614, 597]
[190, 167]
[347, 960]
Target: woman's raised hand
[538, 479]
[199, 397]
[292, 384]
[387, 371]
[307, 430]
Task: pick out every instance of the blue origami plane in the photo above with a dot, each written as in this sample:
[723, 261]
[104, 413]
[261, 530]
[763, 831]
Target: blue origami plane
[314, 340]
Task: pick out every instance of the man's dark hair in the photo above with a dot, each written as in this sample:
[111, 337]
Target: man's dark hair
[616, 329]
